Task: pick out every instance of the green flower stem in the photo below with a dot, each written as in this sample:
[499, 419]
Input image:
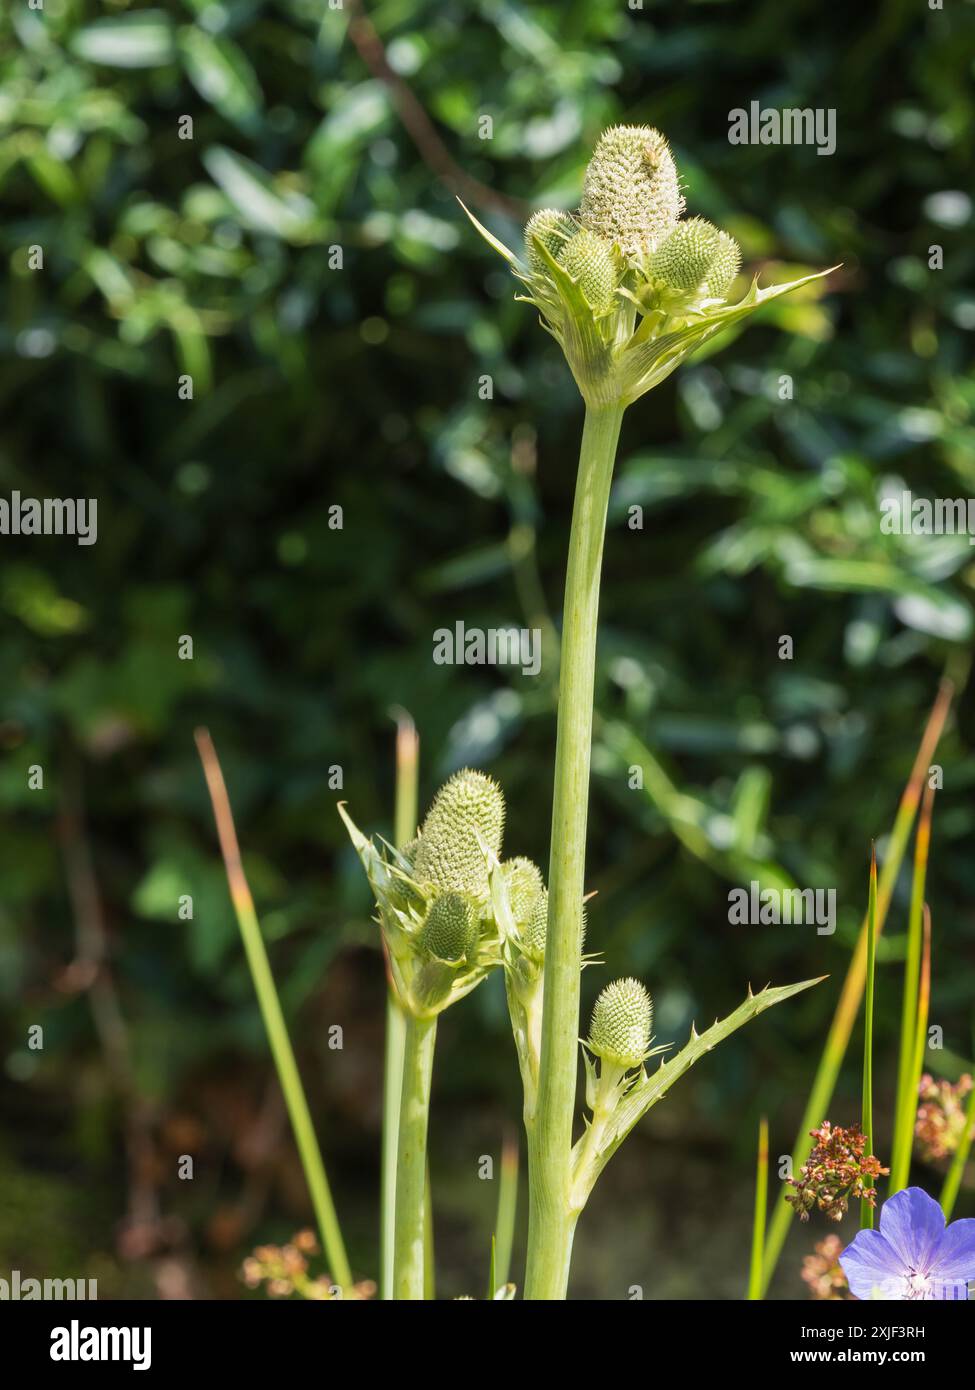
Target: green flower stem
[392, 1094]
[411, 1162]
[407, 775]
[551, 1221]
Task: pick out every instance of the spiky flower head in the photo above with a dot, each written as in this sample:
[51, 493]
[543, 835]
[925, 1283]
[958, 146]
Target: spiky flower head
[533, 932]
[449, 855]
[589, 260]
[724, 267]
[696, 256]
[450, 929]
[631, 194]
[525, 886]
[687, 255]
[553, 229]
[621, 1021]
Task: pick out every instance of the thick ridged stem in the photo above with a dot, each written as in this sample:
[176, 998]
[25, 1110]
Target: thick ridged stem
[411, 1160]
[551, 1218]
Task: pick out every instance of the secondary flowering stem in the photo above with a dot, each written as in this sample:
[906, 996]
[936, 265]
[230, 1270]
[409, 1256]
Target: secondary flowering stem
[411, 1160]
[551, 1219]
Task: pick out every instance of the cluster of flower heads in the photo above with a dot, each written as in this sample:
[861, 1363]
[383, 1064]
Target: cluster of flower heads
[628, 238]
[941, 1116]
[835, 1173]
[451, 909]
[822, 1273]
[284, 1272]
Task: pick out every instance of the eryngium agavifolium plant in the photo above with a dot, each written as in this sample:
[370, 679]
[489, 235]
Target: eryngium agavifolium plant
[629, 290]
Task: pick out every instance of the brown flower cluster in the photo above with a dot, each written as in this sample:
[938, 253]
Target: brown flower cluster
[835, 1173]
[284, 1271]
[822, 1274]
[941, 1116]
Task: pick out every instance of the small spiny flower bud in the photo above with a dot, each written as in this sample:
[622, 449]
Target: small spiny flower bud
[448, 855]
[525, 885]
[533, 932]
[553, 229]
[450, 929]
[687, 255]
[631, 194]
[724, 267]
[589, 260]
[621, 1022]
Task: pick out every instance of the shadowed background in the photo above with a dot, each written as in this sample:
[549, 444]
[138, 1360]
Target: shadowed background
[303, 259]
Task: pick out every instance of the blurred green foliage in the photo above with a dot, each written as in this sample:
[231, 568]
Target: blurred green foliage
[302, 258]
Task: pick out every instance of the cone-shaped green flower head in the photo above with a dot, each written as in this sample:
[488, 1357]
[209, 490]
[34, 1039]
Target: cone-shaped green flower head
[631, 194]
[450, 929]
[696, 255]
[589, 260]
[687, 255]
[621, 1022]
[448, 855]
[724, 267]
[533, 932]
[525, 887]
[553, 229]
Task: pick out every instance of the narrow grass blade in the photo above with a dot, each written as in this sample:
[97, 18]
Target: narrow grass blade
[838, 1038]
[275, 1026]
[405, 817]
[504, 1226]
[905, 1121]
[761, 1214]
[952, 1184]
[866, 1209]
[905, 1106]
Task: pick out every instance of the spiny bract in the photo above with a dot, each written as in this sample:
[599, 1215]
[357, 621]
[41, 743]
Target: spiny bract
[525, 886]
[589, 260]
[448, 855]
[450, 929]
[553, 229]
[631, 194]
[621, 1023]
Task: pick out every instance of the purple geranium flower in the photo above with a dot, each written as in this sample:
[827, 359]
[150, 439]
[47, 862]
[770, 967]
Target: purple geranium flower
[913, 1255]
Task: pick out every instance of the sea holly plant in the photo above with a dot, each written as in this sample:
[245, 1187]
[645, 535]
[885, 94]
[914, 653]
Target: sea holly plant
[629, 289]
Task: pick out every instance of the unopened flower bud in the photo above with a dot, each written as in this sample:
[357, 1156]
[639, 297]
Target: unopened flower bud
[724, 267]
[450, 929]
[631, 195]
[448, 855]
[589, 260]
[525, 885]
[553, 229]
[533, 932]
[687, 255]
[621, 1022]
